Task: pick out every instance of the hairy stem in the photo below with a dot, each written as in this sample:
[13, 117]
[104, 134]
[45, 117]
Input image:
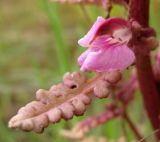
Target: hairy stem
[139, 11]
[133, 128]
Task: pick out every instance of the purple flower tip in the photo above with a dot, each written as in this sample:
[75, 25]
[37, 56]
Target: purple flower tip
[107, 46]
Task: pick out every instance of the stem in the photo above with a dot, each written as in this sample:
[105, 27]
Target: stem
[139, 11]
[133, 128]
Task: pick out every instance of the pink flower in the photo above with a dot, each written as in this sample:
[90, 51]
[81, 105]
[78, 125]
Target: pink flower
[107, 46]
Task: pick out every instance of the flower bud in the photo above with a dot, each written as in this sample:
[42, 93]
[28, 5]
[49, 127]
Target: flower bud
[101, 89]
[113, 77]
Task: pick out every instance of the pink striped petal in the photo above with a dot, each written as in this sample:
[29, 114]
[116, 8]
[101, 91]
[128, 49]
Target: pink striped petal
[104, 41]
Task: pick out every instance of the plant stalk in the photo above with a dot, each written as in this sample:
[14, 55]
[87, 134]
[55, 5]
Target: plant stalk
[139, 11]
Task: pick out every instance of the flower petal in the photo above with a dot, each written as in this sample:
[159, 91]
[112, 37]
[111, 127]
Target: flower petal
[113, 58]
[111, 25]
[91, 34]
[106, 27]
[83, 57]
[104, 41]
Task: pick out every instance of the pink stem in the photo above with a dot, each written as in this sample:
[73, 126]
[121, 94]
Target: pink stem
[139, 11]
[133, 127]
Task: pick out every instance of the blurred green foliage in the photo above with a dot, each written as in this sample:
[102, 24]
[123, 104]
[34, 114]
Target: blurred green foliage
[38, 43]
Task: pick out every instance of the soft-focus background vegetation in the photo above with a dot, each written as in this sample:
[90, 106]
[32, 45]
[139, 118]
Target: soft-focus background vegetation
[38, 43]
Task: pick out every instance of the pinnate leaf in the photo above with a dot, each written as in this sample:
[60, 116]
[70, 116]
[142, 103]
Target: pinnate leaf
[64, 100]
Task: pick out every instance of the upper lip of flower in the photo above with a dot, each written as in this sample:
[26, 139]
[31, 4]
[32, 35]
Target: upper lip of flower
[116, 28]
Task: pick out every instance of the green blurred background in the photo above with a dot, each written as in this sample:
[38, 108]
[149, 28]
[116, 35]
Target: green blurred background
[38, 44]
